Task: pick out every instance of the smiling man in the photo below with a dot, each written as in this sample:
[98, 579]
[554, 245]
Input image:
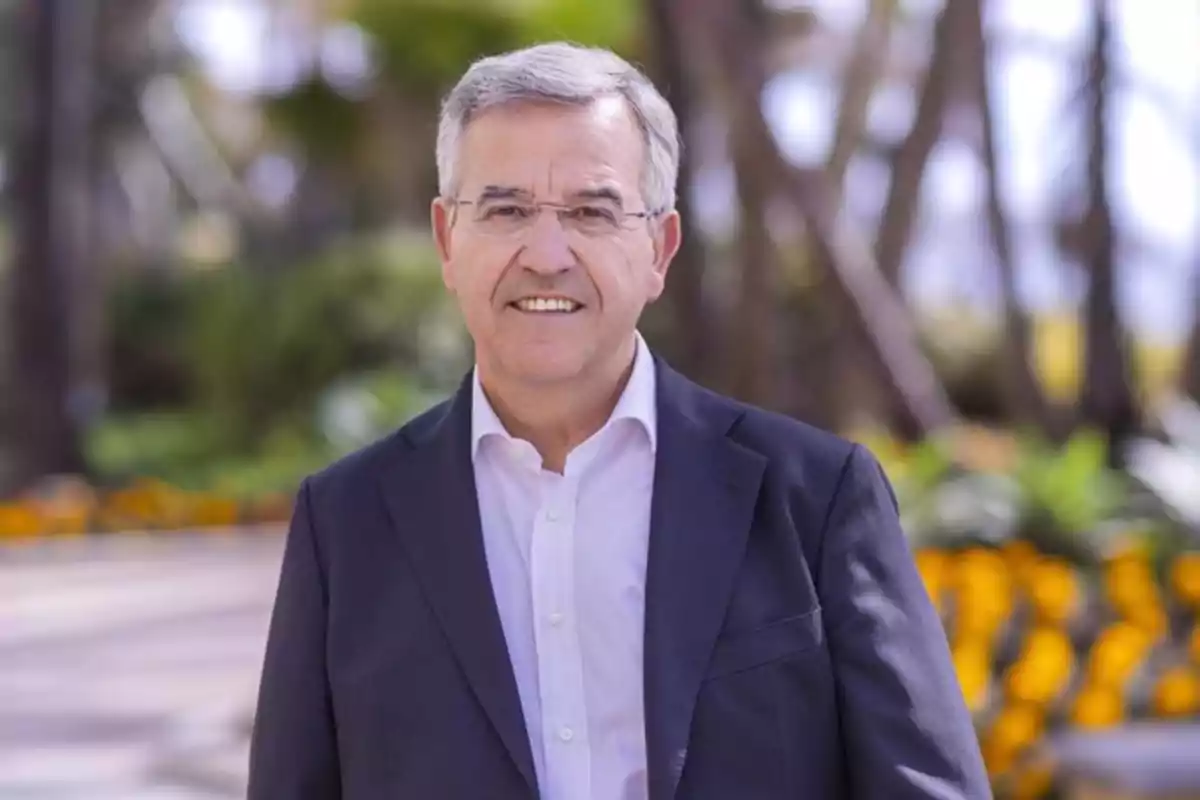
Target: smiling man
[584, 577]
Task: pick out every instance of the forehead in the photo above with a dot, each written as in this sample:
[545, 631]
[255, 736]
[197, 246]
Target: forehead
[551, 150]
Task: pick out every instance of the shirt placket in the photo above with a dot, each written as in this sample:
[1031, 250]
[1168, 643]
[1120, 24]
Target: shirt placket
[556, 630]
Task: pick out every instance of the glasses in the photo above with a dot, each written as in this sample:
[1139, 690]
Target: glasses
[594, 218]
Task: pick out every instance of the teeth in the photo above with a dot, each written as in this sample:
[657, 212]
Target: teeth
[547, 304]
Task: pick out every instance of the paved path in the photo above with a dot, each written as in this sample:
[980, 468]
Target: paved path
[128, 665]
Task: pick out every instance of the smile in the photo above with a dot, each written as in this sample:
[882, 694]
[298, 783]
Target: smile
[547, 305]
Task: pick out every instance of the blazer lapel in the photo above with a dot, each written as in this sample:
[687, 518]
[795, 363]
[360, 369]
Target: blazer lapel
[432, 501]
[705, 489]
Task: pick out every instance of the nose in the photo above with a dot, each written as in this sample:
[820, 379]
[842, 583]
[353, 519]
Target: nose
[547, 250]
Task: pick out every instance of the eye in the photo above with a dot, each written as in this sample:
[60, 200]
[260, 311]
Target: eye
[508, 211]
[593, 213]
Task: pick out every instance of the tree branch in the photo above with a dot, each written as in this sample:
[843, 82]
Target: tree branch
[914, 390]
[1027, 402]
[1107, 402]
[908, 167]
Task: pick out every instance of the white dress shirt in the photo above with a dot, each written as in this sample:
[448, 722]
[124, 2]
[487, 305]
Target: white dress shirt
[567, 559]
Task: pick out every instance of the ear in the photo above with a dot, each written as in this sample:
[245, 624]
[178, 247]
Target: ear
[668, 236]
[442, 219]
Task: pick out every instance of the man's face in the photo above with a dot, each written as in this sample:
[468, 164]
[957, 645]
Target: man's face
[552, 294]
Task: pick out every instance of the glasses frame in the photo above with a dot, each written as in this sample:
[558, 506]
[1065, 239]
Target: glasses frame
[559, 208]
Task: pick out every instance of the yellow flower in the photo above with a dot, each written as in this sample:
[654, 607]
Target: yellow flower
[1129, 583]
[972, 663]
[983, 597]
[1054, 591]
[1043, 668]
[933, 566]
[1033, 781]
[1020, 556]
[1097, 707]
[1150, 618]
[980, 614]
[1185, 578]
[19, 521]
[65, 505]
[214, 512]
[1116, 654]
[1177, 693]
[975, 561]
[1013, 731]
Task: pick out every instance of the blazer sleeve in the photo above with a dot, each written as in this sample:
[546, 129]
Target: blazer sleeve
[906, 729]
[293, 751]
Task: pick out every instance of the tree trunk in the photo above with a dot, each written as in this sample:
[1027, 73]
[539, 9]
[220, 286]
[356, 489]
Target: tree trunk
[862, 75]
[693, 341]
[49, 182]
[908, 167]
[838, 364]
[1107, 401]
[1190, 377]
[753, 365]
[914, 391]
[77, 233]
[1027, 404]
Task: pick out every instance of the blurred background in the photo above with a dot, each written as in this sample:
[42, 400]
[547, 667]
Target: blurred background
[963, 233]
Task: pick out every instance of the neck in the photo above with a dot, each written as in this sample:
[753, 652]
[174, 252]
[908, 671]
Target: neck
[557, 417]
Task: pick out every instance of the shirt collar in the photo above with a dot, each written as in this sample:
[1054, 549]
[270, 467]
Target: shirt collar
[637, 402]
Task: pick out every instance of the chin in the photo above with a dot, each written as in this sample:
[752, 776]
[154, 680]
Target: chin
[546, 368]
[547, 375]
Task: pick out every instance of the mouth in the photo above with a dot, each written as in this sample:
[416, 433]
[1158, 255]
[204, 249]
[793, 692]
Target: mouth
[546, 305]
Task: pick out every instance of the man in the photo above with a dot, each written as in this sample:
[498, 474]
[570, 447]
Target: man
[583, 577]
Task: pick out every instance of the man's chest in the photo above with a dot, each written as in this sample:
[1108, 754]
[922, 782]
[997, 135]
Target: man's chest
[583, 534]
[567, 558]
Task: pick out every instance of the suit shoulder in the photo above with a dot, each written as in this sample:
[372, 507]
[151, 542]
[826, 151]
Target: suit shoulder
[783, 438]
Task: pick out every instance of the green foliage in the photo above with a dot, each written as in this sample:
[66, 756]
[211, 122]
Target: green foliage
[266, 344]
[236, 363]
[424, 46]
[193, 450]
[196, 450]
[331, 125]
[174, 445]
[1070, 494]
[930, 462]
[944, 504]
[1072, 486]
[148, 324]
[615, 24]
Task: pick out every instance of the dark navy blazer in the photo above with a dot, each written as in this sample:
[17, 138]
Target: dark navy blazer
[791, 650]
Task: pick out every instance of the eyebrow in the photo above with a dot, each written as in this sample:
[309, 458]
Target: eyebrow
[494, 192]
[600, 193]
[498, 192]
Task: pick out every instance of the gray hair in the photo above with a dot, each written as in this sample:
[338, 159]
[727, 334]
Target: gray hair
[559, 72]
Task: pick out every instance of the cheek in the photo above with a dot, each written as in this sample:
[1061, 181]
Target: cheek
[638, 276]
[475, 272]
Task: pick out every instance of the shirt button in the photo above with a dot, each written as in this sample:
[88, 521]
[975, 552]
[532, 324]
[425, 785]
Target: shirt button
[552, 515]
[556, 619]
[566, 734]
